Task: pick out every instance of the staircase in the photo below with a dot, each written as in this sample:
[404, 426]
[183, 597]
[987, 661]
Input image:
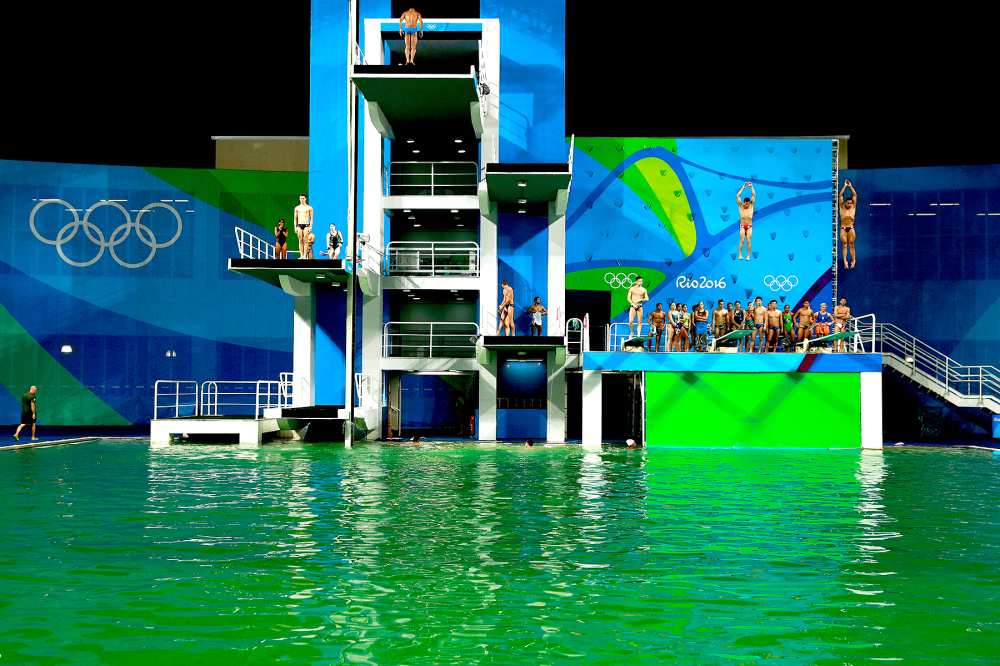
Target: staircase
[961, 385]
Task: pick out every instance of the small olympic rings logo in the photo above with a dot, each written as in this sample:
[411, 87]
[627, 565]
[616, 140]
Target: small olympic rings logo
[96, 236]
[619, 280]
[780, 282]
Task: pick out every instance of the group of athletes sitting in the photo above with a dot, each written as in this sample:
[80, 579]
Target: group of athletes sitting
[765, 328]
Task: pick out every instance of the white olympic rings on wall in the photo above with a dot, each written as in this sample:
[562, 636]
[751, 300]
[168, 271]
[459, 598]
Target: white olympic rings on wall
[619, 280]
[780, 282]
[96, 236]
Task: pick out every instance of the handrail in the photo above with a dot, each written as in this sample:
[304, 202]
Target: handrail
[251, 246]
[440, 178]
[573, 336]
[948, 377]
[429, 339]
[432, 258]
[175, 395]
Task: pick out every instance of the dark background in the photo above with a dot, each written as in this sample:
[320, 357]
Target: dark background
[151, 85]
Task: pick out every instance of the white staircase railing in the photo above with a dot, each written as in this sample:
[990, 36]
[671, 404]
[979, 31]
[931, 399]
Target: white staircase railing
[959, 384]
[429, 339]
[215, 397]
[433, 178]
[432, 259]
[574, 336]
[251, 246]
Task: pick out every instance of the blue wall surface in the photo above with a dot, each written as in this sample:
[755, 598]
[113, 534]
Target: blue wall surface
[128, 287]
[930, 268]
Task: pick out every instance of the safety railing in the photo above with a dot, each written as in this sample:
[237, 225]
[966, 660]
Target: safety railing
[214, 397]
[432, 259]
[251, 246]
[431, 339]
[979, 384]
[433, 178]
[574, 336]
[174, 399]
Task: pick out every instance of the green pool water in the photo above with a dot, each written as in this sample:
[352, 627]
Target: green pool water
[115, 553]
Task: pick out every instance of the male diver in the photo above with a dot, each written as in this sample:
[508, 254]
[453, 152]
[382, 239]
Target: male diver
[637, 295]
[848, 211]
[409, 30]
[745, 206]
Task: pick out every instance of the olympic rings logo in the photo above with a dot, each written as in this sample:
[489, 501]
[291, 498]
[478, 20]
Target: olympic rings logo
[619, 280]
[780, 282]
[96, 236]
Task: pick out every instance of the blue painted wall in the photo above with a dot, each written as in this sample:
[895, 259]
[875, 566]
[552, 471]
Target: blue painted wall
[522, 246]
[931, 269]
[331, 309]
[120, 315]
[532, 77]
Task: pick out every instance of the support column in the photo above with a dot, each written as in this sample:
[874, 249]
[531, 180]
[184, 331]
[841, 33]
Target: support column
[555, 415]
[592, 421]
[303, 340]
[556, 275]
[487, 396]
[488, 271]
[871, 410]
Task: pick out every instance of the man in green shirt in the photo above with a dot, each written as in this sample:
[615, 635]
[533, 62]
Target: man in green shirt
[28, 414]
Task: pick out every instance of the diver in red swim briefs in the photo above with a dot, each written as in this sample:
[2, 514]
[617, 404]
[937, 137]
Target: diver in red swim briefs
[745, 206]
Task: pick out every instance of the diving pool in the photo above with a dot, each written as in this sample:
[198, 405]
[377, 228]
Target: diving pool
[111, 552]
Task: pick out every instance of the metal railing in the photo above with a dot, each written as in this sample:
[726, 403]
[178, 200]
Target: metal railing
[443, 258]
[251, 246]
[214, 397]
[173, 399]
[574, 336]
[430, 339]
[964, 385]
[433, 178]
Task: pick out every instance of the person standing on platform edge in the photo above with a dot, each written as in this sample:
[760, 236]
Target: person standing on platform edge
[281, 240]
[637, 295]
[28, 414]
[302, 217]
[408, 29]
[537, 311]
[745, 206]
[334, 240]
[506, 309]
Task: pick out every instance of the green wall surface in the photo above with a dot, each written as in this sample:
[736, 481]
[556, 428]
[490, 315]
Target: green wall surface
[755, 410]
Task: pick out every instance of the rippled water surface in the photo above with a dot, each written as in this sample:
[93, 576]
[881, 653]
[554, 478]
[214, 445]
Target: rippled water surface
[115, 553]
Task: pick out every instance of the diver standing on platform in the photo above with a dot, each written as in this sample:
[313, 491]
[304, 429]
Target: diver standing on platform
[657, 324]
[745, 206]
[408, 29]
[805, 316]
[506, 309]
[848, 211]
[841, 317]
[302, 218]
[281, 240]
[537, 311]
[759, 317]
[637, 295]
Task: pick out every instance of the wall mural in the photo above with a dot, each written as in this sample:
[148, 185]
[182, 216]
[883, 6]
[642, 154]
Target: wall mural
[666, 209]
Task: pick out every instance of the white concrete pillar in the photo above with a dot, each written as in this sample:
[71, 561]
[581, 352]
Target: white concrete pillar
[592, 417]
[871, 410]
[303, 340]
[556, 275]
[488, 272]
[555, 416]
[488, 397]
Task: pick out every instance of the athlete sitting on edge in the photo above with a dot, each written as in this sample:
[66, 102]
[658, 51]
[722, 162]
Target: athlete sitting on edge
[408, 23]
[745, 206]
[637, 295]
[848, 211]
[823, 321]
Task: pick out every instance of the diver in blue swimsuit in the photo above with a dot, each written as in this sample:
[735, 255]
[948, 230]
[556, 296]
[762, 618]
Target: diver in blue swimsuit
[408, 29]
